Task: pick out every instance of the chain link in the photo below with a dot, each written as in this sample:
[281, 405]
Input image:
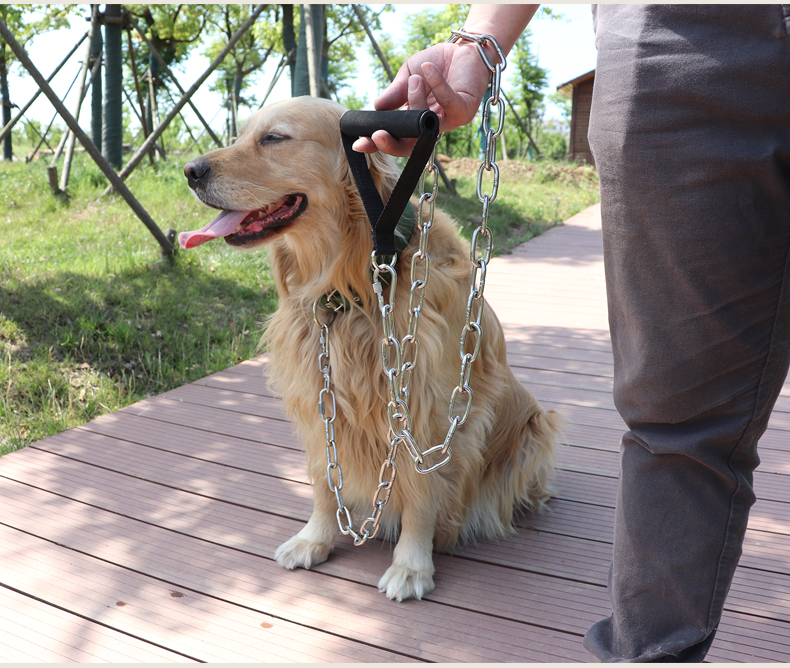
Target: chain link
[480, 255]
[399, 357]
[334, 474]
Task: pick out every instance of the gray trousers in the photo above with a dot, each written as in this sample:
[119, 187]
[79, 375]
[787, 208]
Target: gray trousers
[690, 129]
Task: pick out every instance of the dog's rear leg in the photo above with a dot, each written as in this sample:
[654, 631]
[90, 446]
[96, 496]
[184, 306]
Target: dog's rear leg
[312, 545]
[411, 573]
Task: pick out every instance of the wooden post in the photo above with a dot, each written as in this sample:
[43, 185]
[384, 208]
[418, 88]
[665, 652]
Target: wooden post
[67, 134]
[170, 74]
[314, 39]
[152, 102]
[52, 175]
[22, 111]
[373, 41]
[112, 111]
[184, 120]
[521, 124]
[49, 127]
[140, 99]
[277, 73]
[64, 177]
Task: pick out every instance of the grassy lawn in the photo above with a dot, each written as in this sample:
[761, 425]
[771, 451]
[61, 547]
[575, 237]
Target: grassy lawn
[92, 318]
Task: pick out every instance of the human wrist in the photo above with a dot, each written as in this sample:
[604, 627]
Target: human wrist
[505, 23]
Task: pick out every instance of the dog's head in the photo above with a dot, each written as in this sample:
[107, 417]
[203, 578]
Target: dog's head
[286, 178]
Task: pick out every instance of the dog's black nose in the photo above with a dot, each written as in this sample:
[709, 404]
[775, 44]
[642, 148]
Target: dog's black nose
[196, 172]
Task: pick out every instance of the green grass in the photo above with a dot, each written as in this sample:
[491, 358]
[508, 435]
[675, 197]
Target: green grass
[530, 199]
[93, 318]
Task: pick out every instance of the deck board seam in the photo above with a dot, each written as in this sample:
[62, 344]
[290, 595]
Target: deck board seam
[86, 617]
[205, 594]
[206, 431]
[256, 555]
[181, 454]
[161, 484]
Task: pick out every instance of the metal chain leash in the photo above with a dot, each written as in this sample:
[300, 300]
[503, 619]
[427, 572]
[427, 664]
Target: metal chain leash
[399, 375]
[388, 470]
[405, 351]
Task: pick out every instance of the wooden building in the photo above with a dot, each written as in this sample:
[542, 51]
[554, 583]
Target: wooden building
[579, 90]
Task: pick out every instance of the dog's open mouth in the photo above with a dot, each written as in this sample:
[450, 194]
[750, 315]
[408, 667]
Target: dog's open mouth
[241, 228]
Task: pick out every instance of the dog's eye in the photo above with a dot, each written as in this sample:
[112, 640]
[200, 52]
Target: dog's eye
[271, 137]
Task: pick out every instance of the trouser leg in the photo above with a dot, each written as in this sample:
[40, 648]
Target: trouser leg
[691, 134]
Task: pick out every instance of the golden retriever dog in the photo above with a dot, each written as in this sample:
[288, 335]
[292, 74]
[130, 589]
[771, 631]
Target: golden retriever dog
[285, 183]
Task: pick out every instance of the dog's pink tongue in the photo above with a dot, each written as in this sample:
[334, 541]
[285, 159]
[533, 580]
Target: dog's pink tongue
[223, 225]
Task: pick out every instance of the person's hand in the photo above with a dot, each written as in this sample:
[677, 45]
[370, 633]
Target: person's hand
[449, 79]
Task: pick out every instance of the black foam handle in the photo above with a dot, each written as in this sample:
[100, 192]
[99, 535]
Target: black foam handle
[400, 124]
[422, 124]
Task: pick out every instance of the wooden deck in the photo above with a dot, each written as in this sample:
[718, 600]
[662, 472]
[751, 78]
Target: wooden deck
[148, 534]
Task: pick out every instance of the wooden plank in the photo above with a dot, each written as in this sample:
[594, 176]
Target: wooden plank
[750, 640]
[544, 384]
[257, 532]
[535, 378]
[201, 478]
[31, 630]
[119, 494]
[580, 338]
[273, 460]
[229, 400]
[570, 517]
[307, 598]
[526, 361]
[201, 627]
[214, 420]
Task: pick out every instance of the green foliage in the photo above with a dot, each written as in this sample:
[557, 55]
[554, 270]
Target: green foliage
[25, 22]
[28, 21]
[250, 53]
[395, 58]
[353, 101]
[553, 145]
[423, 29]
[526, 93]
[174, 30]
[564, 103]
[344, 36]
[433, 26]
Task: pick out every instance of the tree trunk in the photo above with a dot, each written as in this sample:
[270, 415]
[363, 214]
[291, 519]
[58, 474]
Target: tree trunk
[238, 82]
[153, 76]
[112, 135]
[373, 42]
[301, 76]
[96, 88]
[289, 41]
[314, 41]
[8, 153]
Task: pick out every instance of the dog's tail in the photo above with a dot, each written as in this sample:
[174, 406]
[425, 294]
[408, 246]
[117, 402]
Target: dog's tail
[521, 456]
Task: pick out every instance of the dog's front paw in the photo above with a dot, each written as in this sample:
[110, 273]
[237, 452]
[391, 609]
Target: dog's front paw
[300, 552]
[400, 583]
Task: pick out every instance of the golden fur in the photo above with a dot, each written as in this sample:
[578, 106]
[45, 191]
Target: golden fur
[503, 457]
